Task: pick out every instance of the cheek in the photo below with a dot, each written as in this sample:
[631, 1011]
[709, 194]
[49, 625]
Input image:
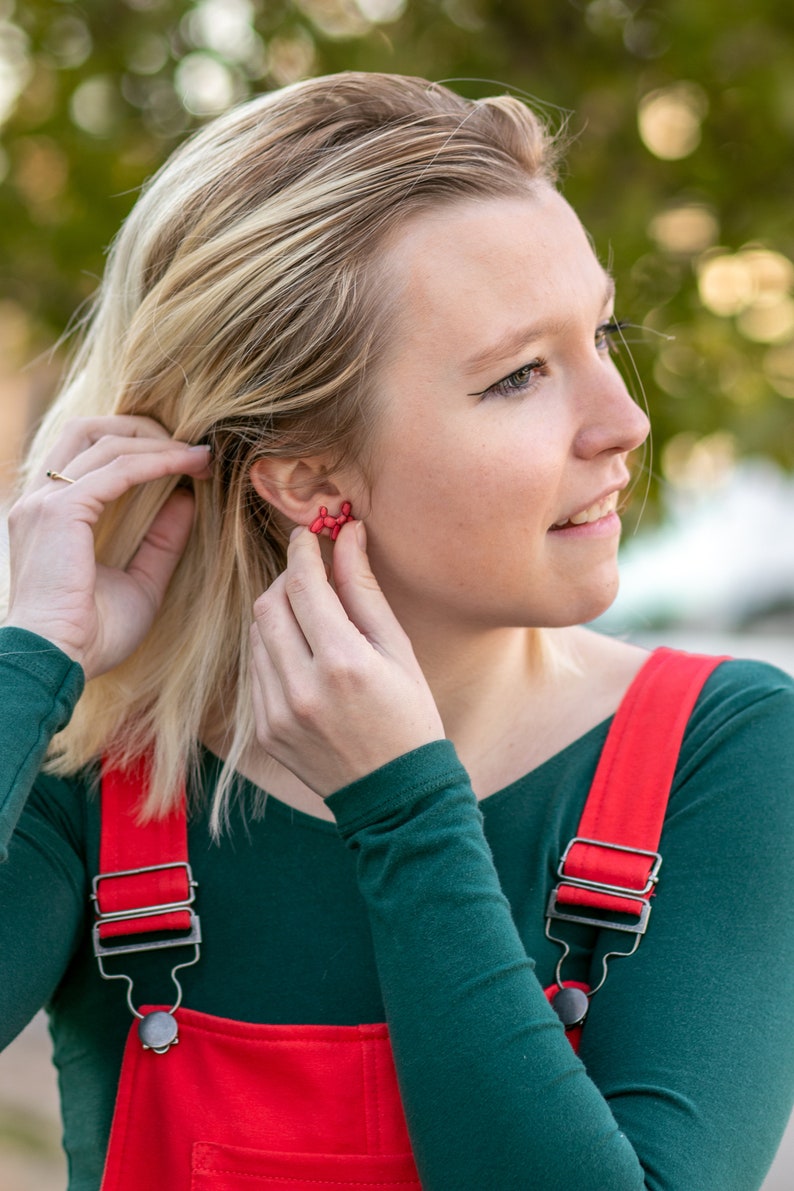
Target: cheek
[465, 489]
[436, 496]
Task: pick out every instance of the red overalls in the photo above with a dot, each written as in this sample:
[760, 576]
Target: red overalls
[235, 1106]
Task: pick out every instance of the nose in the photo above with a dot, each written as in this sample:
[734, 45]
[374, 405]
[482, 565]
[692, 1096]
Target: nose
[611, 420]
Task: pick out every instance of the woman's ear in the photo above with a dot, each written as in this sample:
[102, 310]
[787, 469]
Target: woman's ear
[296, 487]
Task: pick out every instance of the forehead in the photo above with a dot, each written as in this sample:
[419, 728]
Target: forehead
[468, 269]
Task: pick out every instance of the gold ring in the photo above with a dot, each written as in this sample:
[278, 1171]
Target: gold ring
[56, 475]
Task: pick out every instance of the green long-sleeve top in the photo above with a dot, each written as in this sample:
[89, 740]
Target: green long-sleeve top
[426, 909]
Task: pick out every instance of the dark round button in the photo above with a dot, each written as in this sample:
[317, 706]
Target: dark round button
[570, 1005]
[157, 1031]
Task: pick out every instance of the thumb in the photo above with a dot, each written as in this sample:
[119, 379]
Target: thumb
[163, 546]
[359, 592]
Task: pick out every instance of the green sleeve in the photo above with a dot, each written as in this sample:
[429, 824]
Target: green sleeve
[41, 878]
[39, 687]
[686, 1075]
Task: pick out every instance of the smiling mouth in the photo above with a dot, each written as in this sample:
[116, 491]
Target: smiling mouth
[602, 508]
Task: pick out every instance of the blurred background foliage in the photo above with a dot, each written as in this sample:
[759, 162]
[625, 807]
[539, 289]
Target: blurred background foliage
[681, 167]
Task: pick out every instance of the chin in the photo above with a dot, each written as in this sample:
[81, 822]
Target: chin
[582, 607]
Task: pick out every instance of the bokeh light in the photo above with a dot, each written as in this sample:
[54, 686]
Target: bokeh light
[685, 230]
[291, 58]
[755, 284]
[68, 41]
[147, 55]
[698, 463]
[204, 84]
[336, 18]
[381, 11]
[670, 120]
[93, 106]
[16, 67]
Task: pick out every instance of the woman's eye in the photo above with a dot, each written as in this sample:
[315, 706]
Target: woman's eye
[608, 335]
[516, 383]
[607, 338]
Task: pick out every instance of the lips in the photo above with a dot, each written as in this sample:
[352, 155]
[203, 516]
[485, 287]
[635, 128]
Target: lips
[594, 512]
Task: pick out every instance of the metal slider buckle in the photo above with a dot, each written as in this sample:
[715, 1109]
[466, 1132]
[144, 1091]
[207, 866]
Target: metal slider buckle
[637, 893]
[634, 928]
[192, 936]
[620, 890]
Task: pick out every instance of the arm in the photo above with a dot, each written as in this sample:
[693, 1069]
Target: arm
[42, 895]
[494, 1095]
[687, 1048]
[40, 686]
[68, 618]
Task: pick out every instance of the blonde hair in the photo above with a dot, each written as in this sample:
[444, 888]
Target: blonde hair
[238, 308]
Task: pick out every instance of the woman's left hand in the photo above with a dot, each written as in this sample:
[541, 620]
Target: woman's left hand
[337, 689]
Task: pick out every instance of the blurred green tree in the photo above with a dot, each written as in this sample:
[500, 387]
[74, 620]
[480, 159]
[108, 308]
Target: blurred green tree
[681, 167]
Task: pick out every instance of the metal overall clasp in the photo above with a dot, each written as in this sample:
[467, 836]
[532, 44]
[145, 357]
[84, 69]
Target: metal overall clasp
[572, 1004]
[158, 1030]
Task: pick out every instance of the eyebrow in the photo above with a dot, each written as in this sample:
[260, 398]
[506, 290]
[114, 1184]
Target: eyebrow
[513, 341]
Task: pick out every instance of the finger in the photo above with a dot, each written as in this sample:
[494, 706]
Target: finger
[272, 699]
[261, 722]
[107, 483]
[264, 674]
[81, 433]
[280, 641]
[110, 447]
[313, 601]
[359, 592]
[161, 549]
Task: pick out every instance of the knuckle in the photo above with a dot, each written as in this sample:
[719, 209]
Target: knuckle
[361, 581]
[338, 667]
[16, 514]
[76, 425]
[30, 507]
[304, 706]
[296, 585]
[263, 606]
[103, 439]
[342, 672]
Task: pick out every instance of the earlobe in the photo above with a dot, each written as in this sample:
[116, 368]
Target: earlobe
[296, 487]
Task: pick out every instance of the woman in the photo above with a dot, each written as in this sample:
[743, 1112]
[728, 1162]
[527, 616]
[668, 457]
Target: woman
[359, 306]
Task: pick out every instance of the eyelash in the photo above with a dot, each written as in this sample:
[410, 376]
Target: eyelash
[505, 388]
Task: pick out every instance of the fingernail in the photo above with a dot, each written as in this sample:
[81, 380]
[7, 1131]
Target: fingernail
[298, 529]
[201, 447]
[361, 535]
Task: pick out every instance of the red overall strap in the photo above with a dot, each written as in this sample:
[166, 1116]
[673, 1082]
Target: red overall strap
[128, 846]
[612, 862]
[626, 806]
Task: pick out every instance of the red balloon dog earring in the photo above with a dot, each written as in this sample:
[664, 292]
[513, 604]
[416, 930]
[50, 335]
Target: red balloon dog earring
[323, 521]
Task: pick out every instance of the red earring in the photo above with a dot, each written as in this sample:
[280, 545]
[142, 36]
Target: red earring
[324, 521]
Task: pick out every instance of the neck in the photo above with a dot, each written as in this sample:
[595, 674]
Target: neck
[511, 698]
[486, 685]
[469, 672]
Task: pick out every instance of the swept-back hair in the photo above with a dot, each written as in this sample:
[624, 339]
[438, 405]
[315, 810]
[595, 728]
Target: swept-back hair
[242, 306]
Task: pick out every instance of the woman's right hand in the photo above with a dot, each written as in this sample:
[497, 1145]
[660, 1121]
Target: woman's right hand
[97, 615]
